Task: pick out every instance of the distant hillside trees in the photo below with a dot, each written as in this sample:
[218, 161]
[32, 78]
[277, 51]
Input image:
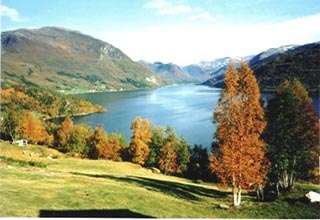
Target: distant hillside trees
[140, 140]
[240, 159]
[292, 135]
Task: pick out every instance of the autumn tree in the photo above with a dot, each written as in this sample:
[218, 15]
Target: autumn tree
[108, 146]
[64, 133]
[96, 143]
[291, 134]
[168, 161]
[240, 159]
[141, 137]
[32, 128]
[174, 154]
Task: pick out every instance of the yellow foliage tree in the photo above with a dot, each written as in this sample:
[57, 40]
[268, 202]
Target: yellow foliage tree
[141, 138]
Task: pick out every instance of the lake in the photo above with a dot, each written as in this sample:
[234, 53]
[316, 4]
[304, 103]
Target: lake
[187, 108]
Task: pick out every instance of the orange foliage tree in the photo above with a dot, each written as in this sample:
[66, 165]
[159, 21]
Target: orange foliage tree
[240, 160]
[31, 128]
[64, 133]
[103, 145]
[168, 157]
[141, 137]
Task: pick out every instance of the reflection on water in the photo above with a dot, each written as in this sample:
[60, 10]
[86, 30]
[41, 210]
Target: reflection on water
[187, 108]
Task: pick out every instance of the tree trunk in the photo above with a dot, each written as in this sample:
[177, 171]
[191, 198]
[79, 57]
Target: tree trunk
[284, 180]
[291, 180]
[277, 188]
[236, 196]
[260, 193]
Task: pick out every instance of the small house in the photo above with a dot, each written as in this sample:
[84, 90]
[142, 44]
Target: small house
[21, 142]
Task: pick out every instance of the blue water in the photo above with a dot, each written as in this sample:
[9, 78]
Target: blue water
[187, 108]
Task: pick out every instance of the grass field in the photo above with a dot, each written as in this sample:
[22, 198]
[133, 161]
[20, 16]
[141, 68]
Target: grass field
[36, 181]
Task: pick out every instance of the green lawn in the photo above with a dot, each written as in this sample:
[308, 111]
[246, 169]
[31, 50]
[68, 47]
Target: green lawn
[30, 183]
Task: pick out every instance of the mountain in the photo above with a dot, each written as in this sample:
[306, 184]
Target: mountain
[197, 72]
[269, 53]
[170, 72]
[273, 66]
[69, 60]
[301, 62]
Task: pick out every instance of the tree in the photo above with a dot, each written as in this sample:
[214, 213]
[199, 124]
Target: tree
[174, 154]
[9, 123]
[31, 128]
[291, 134]
[64, 133]
[141, 137]
[112, 148]
[96, 143]
[240, 159]
[198, 166]
[168, 156]
[157, 141]
[183, 155]
[78, 141]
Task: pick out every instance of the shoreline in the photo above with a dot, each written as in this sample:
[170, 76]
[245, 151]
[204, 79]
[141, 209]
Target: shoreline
[73, 115]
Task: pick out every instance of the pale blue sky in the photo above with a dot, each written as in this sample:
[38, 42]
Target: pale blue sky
[181, 31]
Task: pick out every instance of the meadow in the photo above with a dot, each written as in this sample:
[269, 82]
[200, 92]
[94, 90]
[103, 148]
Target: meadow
[39, 181]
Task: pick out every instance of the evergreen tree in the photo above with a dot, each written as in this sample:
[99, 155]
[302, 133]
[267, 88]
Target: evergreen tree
[198, 166]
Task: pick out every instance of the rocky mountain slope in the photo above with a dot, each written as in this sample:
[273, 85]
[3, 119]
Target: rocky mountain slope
[69, 60]
[170, 72]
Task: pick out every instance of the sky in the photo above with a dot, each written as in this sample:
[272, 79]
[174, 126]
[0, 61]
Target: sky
[178, 31]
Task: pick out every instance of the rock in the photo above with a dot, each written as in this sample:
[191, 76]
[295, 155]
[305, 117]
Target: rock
[223, 206]
[313, 196]
[155, 170]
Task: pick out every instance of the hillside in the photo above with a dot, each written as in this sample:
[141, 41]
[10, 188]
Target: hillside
[301, 62]
[172, 73]
[38, 181]
[277, 64]
[68, 60]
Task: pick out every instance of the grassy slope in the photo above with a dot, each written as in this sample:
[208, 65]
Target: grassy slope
[75, 184]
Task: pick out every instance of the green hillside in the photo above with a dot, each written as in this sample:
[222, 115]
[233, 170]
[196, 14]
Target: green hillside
[36, 178]
[69, 60]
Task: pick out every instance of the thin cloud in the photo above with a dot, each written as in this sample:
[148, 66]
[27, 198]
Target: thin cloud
[186, 44]
[11, 13]
[167, 8]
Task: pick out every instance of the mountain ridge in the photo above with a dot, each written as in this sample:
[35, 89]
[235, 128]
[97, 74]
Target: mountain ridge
[77, 60]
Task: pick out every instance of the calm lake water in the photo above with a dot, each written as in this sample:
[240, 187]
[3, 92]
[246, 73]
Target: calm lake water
[187, 108]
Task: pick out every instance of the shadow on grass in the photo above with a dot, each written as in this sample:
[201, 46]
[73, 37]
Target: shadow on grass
[184, 191]
[92, 213]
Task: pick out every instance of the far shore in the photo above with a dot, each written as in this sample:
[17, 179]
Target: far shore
[48, 118]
